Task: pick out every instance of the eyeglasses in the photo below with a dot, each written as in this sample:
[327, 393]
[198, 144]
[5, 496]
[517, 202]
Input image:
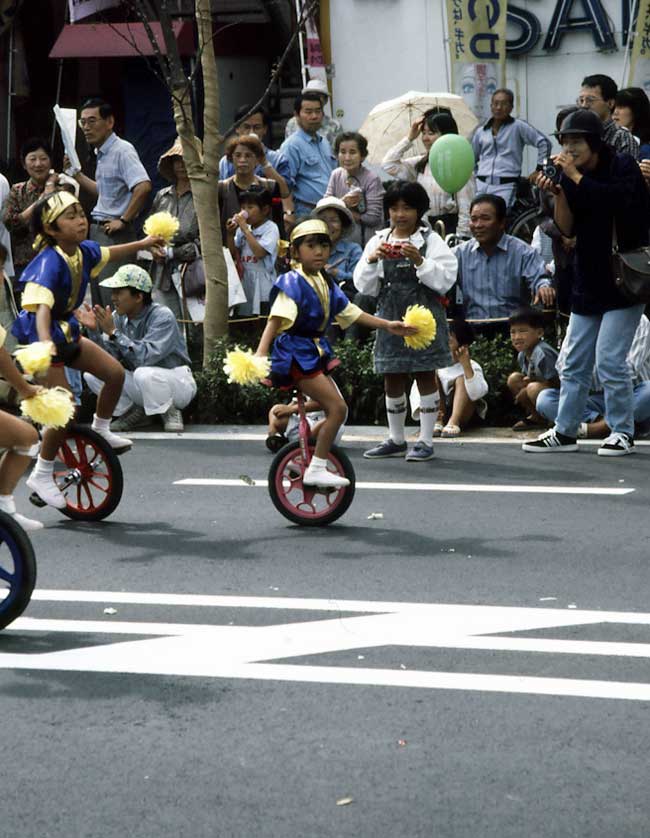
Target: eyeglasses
[89, 121]
[588, 101]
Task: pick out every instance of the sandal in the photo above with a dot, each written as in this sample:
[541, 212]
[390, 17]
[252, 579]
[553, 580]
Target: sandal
[438, 428]
[450, 431]
[275, 442]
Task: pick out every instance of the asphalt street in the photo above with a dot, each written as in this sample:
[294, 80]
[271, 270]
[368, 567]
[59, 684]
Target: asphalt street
[466, 660]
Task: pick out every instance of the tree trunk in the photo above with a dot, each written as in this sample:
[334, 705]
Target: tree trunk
[206, 197]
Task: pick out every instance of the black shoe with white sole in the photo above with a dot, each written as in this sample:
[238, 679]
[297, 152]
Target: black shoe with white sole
[550, 442]
[617, 445]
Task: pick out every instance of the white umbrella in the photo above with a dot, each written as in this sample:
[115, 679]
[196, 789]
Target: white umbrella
[388, 122]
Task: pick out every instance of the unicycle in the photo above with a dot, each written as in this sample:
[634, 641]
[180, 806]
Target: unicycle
[309, 506]
[89, 474]
[17, 570]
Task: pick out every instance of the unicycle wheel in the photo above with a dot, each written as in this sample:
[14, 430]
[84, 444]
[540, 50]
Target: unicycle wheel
[309, 506]
[89, 474]
[17, 570]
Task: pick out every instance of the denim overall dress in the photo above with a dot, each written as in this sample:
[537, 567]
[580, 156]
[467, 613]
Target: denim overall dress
[401, 288]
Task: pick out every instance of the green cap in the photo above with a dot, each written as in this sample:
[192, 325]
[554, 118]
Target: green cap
[129, 276]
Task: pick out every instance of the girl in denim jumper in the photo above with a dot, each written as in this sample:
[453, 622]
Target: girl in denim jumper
[407, 264]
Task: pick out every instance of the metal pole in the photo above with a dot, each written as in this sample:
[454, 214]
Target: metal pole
[303, 71]
[10, 92]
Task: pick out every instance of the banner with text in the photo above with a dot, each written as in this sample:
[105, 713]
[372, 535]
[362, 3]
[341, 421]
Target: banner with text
[477, 50]
[79, 9]
[639, 75]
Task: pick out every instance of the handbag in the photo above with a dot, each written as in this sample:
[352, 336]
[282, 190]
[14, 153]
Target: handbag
[632, 274]
[193, 276]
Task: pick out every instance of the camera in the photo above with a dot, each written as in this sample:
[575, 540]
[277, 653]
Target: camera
[393, 251]
[552, 171]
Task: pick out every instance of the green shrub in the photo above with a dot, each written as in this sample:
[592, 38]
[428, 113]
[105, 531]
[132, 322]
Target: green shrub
[363, 390]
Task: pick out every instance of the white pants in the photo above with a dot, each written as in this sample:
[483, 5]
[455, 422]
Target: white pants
[154, 388]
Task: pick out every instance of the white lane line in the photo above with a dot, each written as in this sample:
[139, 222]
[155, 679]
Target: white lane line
[429, 487]
[252, 436]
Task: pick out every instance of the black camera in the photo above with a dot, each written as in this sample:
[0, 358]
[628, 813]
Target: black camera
[552, 171]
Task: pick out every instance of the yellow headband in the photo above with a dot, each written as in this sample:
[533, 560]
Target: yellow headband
[56, 204]
[311, 227]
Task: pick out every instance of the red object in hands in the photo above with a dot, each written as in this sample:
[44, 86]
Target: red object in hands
[392, 251]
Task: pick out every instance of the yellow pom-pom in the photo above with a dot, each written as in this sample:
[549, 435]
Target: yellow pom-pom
[424, 322]
[162, 224]
[53, 408]
[36, 358]
[242, 367]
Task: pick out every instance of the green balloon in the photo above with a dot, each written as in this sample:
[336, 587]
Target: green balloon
[451, 160]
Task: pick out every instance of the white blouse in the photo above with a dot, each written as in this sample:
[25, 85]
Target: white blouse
[437, 271]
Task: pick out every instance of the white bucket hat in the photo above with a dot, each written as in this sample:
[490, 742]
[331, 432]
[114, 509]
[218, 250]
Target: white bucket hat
[337, 204]
[317, 86]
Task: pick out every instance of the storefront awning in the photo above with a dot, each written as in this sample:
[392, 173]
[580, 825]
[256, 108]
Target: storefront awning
[118, 40]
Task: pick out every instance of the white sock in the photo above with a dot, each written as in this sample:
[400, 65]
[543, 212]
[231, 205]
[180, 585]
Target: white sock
[100, 424]
[7, 504]
[396, 412]
[318, 463]
[428, 413]
[43, 468]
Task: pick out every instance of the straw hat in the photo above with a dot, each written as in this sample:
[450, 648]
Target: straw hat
[166, 162]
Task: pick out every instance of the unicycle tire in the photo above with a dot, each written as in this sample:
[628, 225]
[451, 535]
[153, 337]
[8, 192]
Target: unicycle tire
[92, 472]
[17, 570]
[309, 506]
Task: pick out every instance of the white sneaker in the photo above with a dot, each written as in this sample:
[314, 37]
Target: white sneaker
[119, 444]
[617, 445]
[173, 420]
[321, 477]
[28, 524]
[583, 430]
[47, 490]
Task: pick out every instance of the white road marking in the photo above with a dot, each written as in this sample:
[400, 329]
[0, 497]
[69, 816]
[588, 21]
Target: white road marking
[537, 489]
[247, 652]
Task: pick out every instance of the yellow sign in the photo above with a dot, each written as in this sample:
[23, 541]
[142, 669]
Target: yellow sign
[639, 75]
[477, 49]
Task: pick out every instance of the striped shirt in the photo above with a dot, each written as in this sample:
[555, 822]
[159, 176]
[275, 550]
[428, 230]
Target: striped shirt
[492, 285]
[118, 170]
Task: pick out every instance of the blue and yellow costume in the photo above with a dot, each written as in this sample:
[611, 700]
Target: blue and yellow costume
[59, 281]
[307, 304]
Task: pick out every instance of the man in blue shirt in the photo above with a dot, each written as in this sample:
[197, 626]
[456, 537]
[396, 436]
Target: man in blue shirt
[121, 184]
[499, 147]
[308, 155]
[257, 123]
[492, 265]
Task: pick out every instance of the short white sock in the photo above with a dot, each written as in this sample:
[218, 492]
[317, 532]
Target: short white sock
[318, 463]
[100, 424]
[428, 413]
[43, 468]
[7, 504]
[396, 412]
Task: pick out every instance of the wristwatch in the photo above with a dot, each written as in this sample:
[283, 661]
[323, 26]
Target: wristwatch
[124, 221]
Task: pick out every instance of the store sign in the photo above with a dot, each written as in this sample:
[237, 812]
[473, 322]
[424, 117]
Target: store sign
[568, 16]
[639, 75]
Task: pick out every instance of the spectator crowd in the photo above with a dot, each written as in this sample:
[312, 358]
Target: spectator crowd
[397, 238]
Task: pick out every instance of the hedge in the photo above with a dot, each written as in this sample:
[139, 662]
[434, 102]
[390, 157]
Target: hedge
[220, 402]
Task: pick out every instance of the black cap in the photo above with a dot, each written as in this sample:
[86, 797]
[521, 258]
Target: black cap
[582, 122]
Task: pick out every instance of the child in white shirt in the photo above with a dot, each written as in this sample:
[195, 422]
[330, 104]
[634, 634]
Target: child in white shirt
[253, 241]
